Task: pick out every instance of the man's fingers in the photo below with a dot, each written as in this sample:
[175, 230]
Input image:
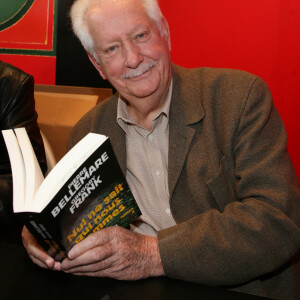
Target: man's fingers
[40, 257]
[97, 254]
[116, 253]
[36, 253]
[92, 241]
[92, 268]
[57, 266]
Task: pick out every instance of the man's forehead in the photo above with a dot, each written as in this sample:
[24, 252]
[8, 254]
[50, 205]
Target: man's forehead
[112, 35]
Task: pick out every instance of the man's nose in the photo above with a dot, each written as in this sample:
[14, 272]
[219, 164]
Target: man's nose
[132, 55]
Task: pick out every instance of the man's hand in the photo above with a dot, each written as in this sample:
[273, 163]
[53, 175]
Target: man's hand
[117, 253]
[37, 254]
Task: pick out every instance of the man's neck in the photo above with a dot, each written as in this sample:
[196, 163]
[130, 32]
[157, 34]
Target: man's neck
[144, 114]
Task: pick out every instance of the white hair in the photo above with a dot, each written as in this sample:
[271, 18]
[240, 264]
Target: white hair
[80, 28]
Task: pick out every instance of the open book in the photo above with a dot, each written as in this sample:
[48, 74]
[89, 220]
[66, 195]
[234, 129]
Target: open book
[85, 192]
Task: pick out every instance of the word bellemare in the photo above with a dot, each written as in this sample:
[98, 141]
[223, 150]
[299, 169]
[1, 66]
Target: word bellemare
[79, 184]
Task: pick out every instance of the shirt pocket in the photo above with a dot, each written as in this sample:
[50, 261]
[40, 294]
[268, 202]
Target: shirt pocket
[222, 187]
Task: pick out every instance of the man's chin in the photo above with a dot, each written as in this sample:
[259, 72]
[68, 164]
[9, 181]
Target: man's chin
[142, 90]
[144, 93]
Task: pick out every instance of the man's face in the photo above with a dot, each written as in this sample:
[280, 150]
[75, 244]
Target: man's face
[132, 54]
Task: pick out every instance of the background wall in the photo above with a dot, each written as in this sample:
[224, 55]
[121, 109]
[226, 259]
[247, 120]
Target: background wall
[259, 36]
[28, 36]
[73, 66]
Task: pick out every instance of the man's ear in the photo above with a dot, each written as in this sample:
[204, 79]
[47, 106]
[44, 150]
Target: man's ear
[96, 65]
[165, 31]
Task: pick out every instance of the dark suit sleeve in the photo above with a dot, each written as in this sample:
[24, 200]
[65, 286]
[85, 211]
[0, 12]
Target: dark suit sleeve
[17, 110]
[258, 232]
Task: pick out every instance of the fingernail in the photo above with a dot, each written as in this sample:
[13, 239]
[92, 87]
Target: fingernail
[64, 266]
[49, 262]
[71, 254]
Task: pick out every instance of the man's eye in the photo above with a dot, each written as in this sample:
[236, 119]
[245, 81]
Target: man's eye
[111, 50]
[142, 36]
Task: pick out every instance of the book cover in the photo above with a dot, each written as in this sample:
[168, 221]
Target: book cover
[95, 195]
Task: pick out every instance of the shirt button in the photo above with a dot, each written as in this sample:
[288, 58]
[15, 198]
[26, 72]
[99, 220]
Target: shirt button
[168, 211]
[150, 137]
[157, 173]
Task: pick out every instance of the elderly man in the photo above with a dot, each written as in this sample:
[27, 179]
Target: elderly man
[204, 152]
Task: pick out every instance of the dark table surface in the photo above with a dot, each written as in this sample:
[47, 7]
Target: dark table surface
[21, 279]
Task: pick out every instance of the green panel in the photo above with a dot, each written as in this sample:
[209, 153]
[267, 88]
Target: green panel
[11, 11]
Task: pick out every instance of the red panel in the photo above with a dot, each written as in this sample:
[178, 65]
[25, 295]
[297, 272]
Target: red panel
[32, 65]
[262, 37]
[33, 31]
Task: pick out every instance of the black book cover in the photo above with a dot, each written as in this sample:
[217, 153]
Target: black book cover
[94, 197]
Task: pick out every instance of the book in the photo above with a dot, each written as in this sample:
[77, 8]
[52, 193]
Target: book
[84, 192]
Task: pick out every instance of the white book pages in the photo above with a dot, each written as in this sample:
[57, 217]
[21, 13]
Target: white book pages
[33, 173]
[18, 169]
[62, 171]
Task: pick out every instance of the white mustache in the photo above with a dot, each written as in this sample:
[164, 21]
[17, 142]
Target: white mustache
[142, 68]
